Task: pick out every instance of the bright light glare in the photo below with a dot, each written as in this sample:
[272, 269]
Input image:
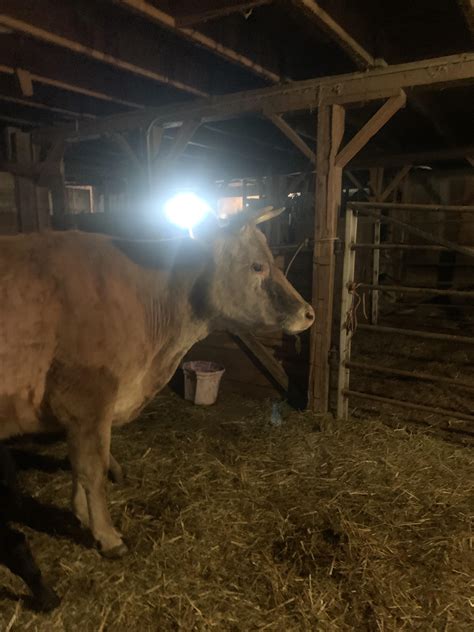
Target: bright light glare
[186, 210]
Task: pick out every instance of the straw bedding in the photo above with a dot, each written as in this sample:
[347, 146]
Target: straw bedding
[237, 525]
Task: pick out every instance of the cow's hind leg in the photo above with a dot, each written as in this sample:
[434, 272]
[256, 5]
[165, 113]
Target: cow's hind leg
[89, 447]
[16, 555]
[115, 471]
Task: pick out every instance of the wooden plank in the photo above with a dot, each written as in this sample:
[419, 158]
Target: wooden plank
[328, 199]
[265, 358]
[293, 136]
[373, 125]
[218, 11]
[295, 96]
[345, 330]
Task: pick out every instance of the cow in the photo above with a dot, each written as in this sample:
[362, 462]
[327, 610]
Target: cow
[15, 553]
[93, 326]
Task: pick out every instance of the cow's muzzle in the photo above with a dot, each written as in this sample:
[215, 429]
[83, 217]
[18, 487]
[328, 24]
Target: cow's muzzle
[300, 321]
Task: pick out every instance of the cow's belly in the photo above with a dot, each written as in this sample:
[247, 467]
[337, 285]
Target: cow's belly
[19, 414]
[139, 390]
[130, 398]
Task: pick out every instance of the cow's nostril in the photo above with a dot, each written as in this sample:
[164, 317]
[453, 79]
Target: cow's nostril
[309, 315]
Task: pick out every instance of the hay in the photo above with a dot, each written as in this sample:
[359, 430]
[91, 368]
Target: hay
[445, 359]
[236, 525]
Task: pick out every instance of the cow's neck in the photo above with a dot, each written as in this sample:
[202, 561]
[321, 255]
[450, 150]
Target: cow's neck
[178, 315]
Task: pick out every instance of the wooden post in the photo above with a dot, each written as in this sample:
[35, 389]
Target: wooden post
[328, 199]
[345, 332]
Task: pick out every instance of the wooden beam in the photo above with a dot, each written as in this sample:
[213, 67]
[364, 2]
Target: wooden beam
[52, 165]
[467, 9]
[355, 181]
[125, 146]
[373, 125]
[218, 11]
[292, 97]
[365, 161]
[184, 135]
[19, 148]
[71, 84]
[152, 13]
[36, 105]
[328, 200]
[25, 82]
[394, 183]
[141, 53]
[362, 57]
[293, 136]
[264, 357]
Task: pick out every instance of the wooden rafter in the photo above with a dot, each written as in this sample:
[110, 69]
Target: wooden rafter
[153, 13]
[327, 23]
[46, 107]
[217, 10]
[74, 85]
[44, 23]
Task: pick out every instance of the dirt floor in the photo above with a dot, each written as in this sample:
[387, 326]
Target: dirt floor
[234, 524]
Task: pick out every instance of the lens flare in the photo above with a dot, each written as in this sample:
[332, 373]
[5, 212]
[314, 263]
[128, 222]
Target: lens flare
[185, 210]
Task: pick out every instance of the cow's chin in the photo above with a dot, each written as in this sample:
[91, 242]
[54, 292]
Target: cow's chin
[294, 327]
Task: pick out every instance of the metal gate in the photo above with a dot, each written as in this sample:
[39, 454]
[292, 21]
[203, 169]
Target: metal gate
[349, 298]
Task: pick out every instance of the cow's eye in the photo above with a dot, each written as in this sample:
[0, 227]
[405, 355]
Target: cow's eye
[257, 267]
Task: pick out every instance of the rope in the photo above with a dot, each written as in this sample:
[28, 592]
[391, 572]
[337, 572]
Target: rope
[351, 321]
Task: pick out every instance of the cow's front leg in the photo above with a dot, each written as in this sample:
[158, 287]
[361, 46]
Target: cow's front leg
[89, 447]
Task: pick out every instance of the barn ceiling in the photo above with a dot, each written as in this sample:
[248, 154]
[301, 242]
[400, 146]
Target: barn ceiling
[81, 59]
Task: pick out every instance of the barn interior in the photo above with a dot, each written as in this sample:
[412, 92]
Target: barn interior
[330, 484]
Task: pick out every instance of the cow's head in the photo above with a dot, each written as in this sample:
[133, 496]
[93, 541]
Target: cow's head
[248, 289]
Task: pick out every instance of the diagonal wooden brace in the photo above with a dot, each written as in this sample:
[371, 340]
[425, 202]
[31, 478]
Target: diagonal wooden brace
[373, 125]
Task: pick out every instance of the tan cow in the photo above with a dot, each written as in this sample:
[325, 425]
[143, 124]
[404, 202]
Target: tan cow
[92, 327]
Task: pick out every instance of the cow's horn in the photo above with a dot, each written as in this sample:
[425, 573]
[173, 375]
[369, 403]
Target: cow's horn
[267, 213]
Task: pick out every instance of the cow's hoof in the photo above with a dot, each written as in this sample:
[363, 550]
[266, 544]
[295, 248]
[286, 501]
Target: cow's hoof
[45, 600]
[117, 476]
[115, 552]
